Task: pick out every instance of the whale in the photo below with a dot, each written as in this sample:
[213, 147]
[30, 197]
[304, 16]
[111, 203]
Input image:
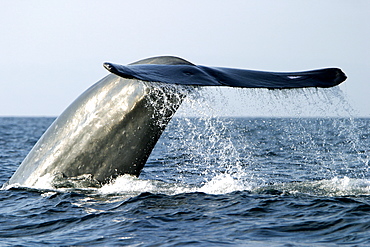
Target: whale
[111, 129]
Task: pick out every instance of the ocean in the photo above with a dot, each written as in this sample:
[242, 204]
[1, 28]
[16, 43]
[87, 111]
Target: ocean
[210, 181]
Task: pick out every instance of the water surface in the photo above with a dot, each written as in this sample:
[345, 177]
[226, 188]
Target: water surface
[208, 182]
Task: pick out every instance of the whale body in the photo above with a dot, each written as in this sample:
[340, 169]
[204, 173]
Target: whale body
[111, 129]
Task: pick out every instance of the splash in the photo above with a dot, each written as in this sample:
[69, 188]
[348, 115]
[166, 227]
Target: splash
[225, 183]
[201, 138]
[128, 186]
[165, 99]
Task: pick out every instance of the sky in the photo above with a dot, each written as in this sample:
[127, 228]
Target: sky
[51, 51]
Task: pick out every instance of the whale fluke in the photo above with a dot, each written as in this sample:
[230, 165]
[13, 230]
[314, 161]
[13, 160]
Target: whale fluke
[111, 128]
[196, 75]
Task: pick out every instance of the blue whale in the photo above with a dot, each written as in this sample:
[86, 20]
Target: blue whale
[111, 129]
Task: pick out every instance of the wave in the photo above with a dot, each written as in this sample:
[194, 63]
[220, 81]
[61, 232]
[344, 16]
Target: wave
[129, 186]
[226, 183]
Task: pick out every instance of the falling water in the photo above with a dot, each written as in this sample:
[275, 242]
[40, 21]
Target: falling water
[210, 147]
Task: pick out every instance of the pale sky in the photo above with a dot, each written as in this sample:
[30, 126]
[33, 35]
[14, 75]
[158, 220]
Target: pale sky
[51, 51]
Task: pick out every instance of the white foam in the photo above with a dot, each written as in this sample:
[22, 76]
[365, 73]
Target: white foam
[345, 186]
[43, 183]
[130, 186]
[224, 183]
[127, 184]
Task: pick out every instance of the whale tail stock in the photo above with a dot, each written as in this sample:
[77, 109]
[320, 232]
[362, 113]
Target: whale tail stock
[111, 128]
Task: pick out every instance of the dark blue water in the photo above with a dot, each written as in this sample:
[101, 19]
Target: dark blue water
[208, 182]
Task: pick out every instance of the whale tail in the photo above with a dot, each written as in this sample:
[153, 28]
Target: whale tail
[111, 128]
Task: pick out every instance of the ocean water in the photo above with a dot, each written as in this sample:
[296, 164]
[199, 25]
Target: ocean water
[209, 182]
